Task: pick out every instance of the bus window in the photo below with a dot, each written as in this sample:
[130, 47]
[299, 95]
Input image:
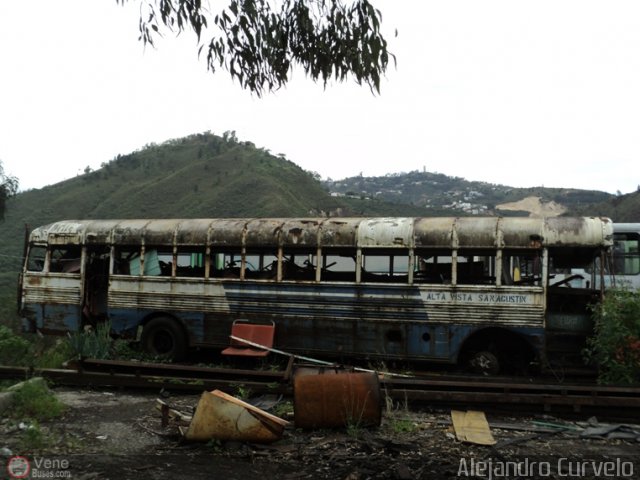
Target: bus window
[190, 262]
[165, 262]
[432, 267]
[385, 267]
[35, 262]
[227, 264]
[299, 265]
[261, 265]
[126, 261]
[65, 259]
[522, 268]
[626, 259]
[476, 267]
[338, 266]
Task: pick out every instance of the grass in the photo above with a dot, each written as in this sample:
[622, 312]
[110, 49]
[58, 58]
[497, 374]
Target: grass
[34, 401]
[398, 416]
[403, 425]
[94, 343]
[47, 355]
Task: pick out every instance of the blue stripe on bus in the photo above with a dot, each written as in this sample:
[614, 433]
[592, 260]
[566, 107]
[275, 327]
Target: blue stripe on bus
[60, 318]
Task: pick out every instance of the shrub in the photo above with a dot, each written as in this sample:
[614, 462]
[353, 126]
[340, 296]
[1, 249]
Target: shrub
[14, 350]
[615, 345]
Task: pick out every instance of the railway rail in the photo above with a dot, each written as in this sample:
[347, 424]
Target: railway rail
[489, 393]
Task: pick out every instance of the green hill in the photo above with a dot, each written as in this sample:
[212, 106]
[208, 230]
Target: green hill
[622, 208]
[202, 175]
[199, 176]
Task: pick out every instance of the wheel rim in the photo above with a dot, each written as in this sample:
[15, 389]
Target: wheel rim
[163, 342]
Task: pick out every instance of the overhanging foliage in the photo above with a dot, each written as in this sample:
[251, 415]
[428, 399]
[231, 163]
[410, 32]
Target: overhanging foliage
[259, 41]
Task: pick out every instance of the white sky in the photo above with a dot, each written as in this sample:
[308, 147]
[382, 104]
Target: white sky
[523, 93]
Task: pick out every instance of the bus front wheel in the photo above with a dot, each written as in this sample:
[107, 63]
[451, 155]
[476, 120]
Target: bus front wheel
[164, 337]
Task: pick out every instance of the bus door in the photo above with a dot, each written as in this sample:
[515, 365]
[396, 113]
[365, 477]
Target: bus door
[51, 289]
[96, 285]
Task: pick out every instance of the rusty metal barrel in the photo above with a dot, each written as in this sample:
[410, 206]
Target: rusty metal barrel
[336, 399]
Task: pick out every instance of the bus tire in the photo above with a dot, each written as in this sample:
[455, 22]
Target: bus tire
[484, 362]
[164, 337]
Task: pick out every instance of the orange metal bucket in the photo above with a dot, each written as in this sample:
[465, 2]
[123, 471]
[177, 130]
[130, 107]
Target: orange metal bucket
[336, 399]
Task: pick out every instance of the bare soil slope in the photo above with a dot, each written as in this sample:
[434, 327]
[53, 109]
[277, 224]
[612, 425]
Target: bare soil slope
[535, 206]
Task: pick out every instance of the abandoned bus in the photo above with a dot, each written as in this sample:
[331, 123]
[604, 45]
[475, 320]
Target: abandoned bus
[472, 290]
[621, 266]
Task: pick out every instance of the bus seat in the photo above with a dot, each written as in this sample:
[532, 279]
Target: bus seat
[254, 332]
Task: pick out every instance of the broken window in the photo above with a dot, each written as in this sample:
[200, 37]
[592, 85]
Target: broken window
[522, 268]
[226, 264]
[261, 264]
[432, 266]
[36, 259]
[299, 264]
[476, 267]
[65, 259]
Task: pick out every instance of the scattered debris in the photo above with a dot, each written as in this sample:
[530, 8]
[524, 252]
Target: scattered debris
[594, 429]
[168, 412]
[223, 417]
[472, 427]
[136, 445]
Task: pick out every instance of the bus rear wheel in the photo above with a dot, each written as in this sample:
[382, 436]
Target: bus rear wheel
[484, 362]
[164, 337]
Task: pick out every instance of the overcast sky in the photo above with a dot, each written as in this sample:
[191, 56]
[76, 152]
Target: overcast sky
[512, 92]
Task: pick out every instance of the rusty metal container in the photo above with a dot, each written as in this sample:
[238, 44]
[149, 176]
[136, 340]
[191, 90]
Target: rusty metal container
[336, 399]
[224, 417]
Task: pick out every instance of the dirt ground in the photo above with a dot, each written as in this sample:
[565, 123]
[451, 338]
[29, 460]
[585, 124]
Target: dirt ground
[111, 434]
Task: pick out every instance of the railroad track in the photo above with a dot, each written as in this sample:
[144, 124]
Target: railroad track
[510, 394]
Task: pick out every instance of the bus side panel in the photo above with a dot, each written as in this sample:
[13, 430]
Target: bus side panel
[336, 319]
[133, 299]
[51, 303]
[394, 321]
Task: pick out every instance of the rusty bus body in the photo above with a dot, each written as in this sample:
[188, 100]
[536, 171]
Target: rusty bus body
[434, 289]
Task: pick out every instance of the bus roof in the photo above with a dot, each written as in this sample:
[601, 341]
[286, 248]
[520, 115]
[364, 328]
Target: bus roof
[383, 232]
[626, 227]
